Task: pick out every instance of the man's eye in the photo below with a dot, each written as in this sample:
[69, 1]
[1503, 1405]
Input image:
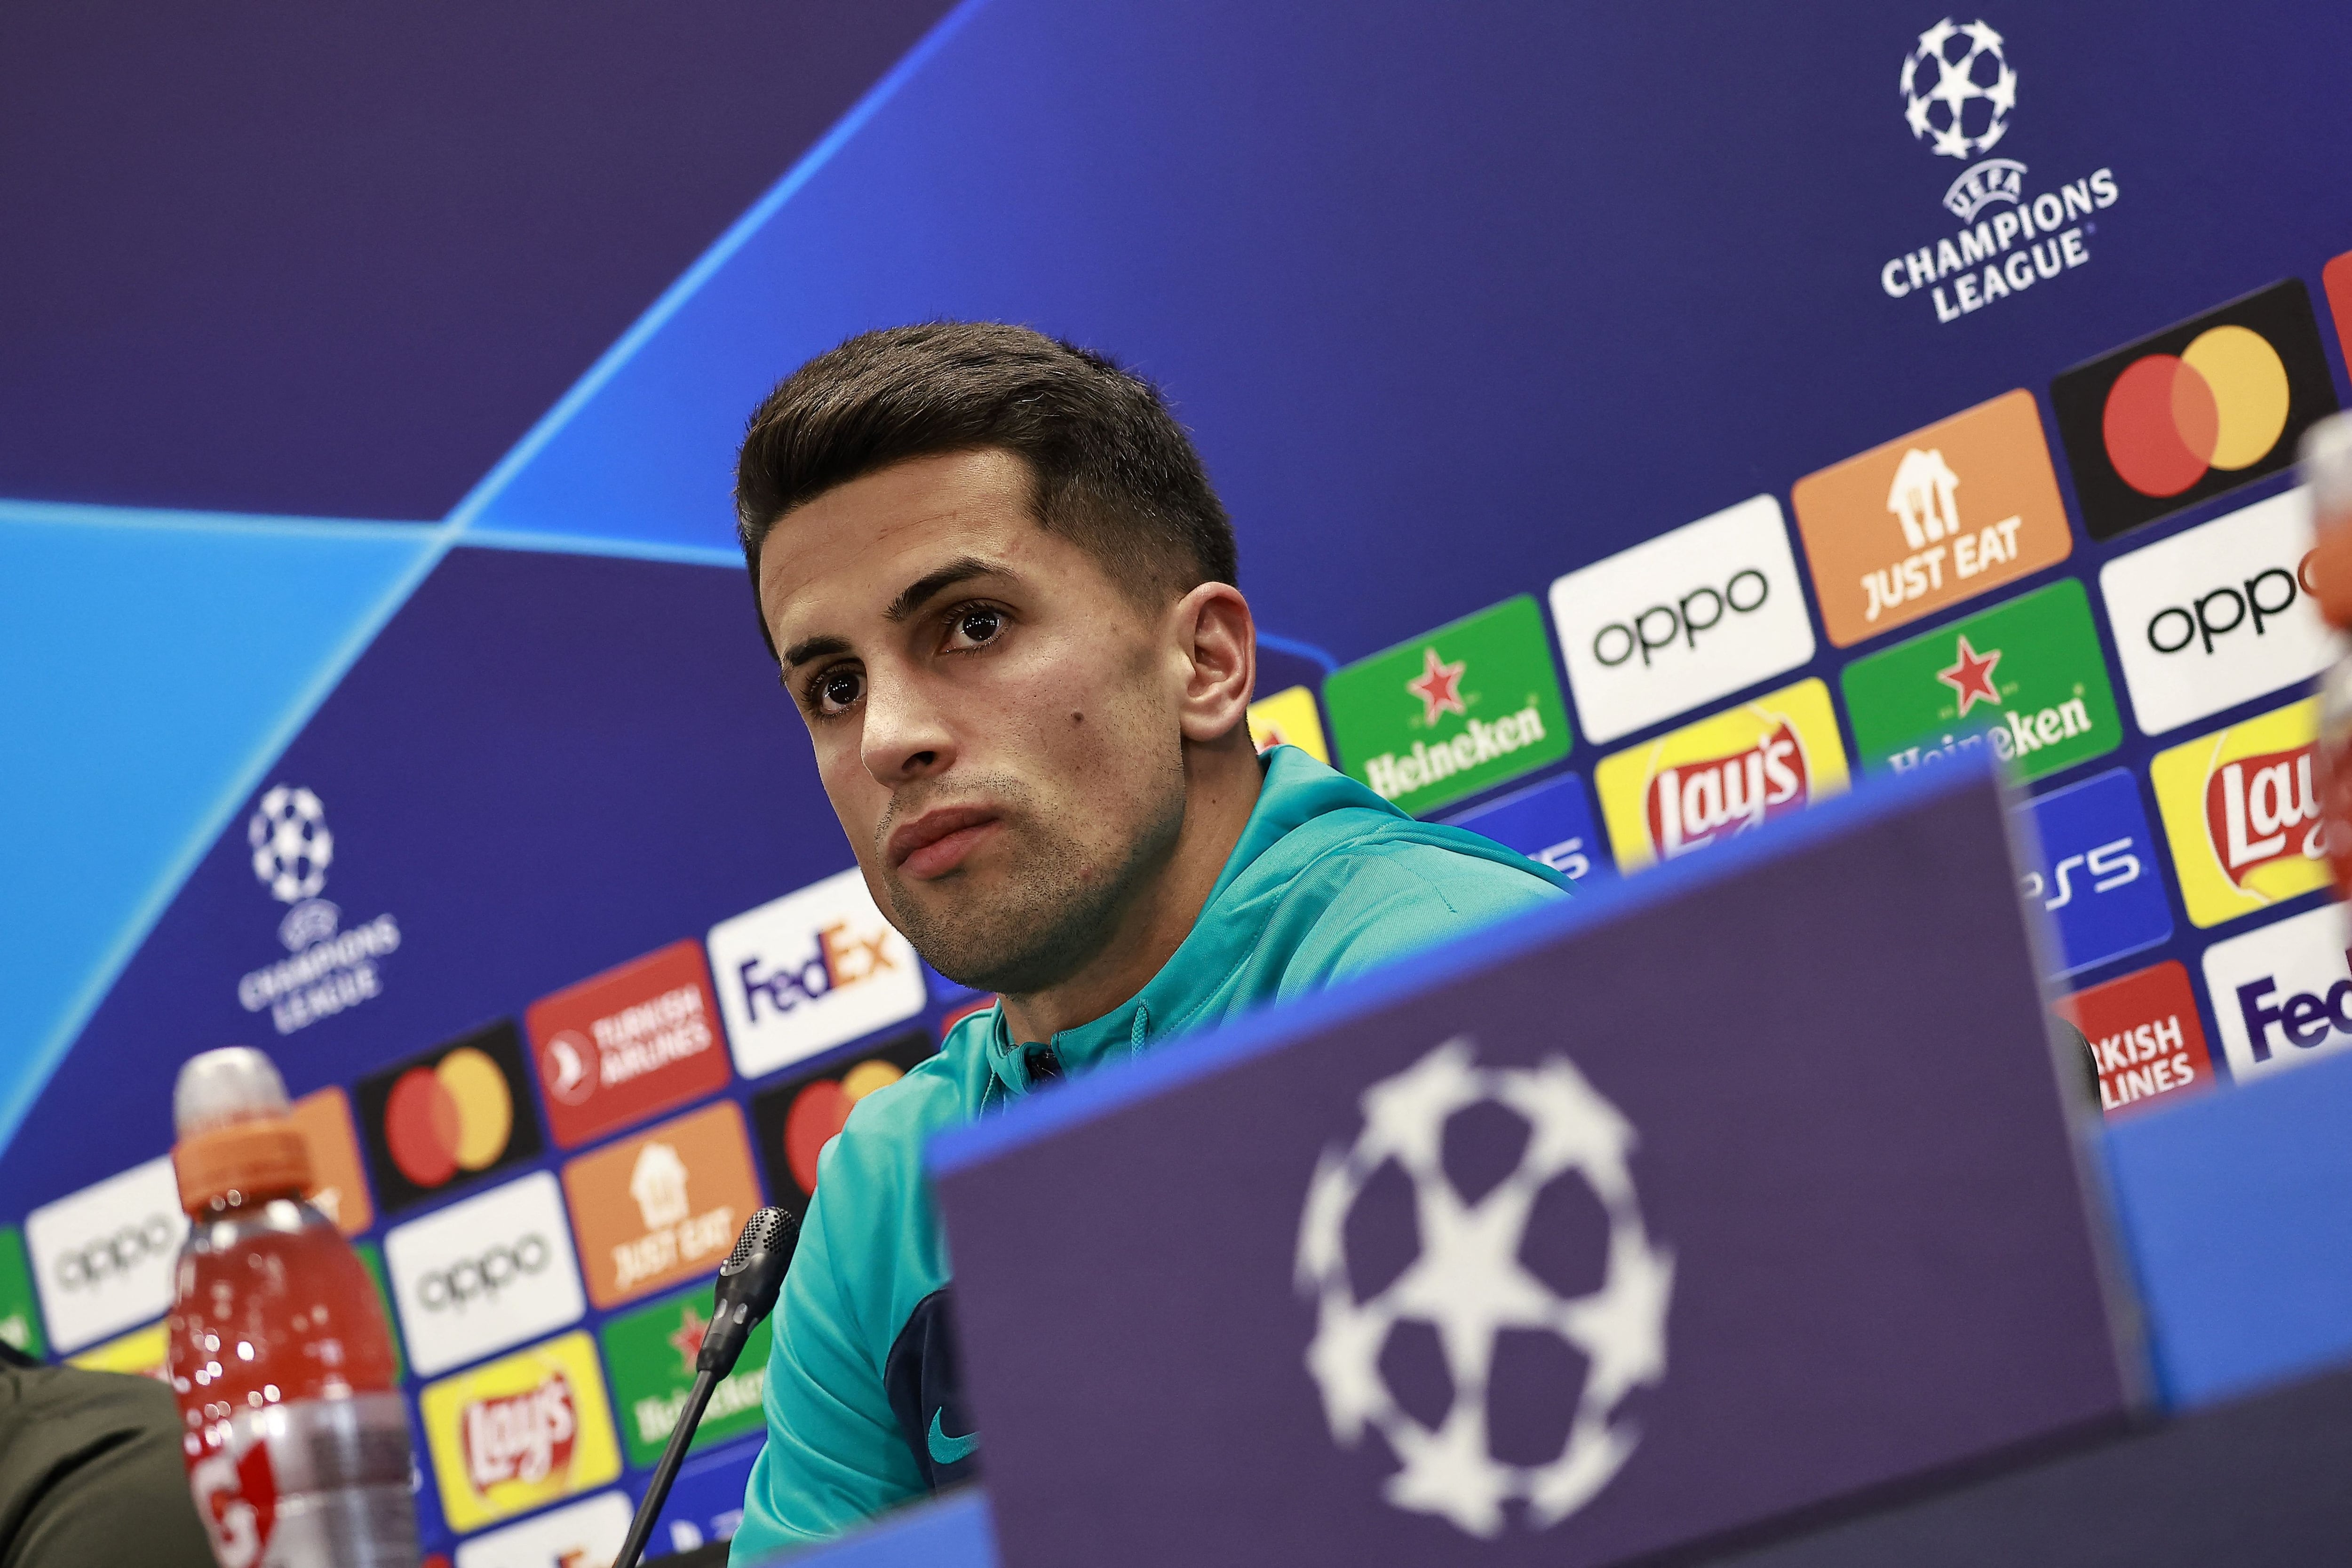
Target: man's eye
[974, 626]
[837, 689]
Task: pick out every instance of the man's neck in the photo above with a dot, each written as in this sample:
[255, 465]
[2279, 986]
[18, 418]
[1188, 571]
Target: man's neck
[1221, 789]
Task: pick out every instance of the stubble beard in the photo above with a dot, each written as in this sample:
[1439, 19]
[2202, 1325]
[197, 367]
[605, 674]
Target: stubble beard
[1049, 914]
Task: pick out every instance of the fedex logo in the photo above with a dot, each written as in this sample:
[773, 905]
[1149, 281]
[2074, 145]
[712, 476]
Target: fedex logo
[2096, 878]
[812, 970]
[842, 957]
[2282, 995]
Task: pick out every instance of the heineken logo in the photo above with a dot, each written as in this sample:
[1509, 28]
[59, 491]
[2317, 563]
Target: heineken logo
[1466, 707]
[2025, 678]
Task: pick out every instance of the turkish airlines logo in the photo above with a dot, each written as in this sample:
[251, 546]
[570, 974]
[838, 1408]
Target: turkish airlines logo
[484, 1274]
[633, 1041]
[524, 1438]
[811, 970]
[2261, 809]
[1691, 615]
[1694, 804]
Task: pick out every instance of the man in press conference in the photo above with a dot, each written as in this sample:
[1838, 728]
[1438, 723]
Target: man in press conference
[1000, 592]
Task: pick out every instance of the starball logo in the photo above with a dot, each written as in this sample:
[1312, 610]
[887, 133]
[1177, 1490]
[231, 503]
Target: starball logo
[1959, 90]
[810, 971]
[331, 970]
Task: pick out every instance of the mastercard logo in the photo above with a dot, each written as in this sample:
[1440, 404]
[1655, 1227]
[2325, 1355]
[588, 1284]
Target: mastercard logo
[792, 1121]
[2193, 411]
[457, 1111]
[454, 1116]
[820, 1109]
[2221, 403]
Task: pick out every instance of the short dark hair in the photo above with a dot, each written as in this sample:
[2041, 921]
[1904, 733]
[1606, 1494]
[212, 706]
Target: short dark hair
[1114, 472]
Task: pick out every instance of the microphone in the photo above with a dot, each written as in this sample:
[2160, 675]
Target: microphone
[748, 1284]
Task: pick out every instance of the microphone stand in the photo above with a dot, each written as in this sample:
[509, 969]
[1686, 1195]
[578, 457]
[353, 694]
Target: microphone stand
[748, 1284]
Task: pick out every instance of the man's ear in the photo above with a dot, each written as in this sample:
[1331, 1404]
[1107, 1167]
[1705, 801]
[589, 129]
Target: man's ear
[1217, 641]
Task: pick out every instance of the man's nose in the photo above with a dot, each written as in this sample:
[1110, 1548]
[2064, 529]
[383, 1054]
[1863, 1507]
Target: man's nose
[906, 734]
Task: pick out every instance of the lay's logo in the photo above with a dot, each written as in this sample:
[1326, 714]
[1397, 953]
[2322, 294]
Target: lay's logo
[516, 1434]
[523, 1437]
[1692, 804]
[1721, 777]
[2264, 810]
[2241, 814]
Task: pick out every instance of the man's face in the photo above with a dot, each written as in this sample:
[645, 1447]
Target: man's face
[996, 723]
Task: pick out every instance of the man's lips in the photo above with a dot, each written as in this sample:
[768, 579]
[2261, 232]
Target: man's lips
[936, 842]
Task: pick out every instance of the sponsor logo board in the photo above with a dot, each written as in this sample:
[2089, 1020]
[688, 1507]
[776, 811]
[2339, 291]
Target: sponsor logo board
[2241, 810]
[2220, 615]
[102, 1257]
[2194, 411]
[20, 1315]
[1695, 614]
[338, 1186]
[1931, 519]
[795, 1120]
[1551, 822]
[458, 1111]
[631, 1043]
[141, 1353]
[373, 1259]
[810, 971]
[2282, 996]
[1459, 709]
[519, 1432]
[483, 1274]
[2096, 880]
[651, 1355]
[1289, 718]
[1722, 776]
[2025, 678]
[2144, 1036]
[664, 1207]
[2336, 279]
[586, 1534]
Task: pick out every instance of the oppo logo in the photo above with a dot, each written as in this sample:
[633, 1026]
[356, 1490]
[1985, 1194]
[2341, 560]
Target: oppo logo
[2260, 598]
[1724, 612]
[110, 1257]
[482, 1277]
[1661, 626]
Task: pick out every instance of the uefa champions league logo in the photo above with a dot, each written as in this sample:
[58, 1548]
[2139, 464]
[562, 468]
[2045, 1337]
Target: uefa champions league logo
[1958, 88]
[1470, 1282]
[292, 846]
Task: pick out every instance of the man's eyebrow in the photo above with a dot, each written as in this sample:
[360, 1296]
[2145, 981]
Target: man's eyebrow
[923, 589]
[813, 647]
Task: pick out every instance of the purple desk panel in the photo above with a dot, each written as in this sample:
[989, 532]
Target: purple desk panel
[1634, 1224]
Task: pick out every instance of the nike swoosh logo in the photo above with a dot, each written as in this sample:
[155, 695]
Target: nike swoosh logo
[947, 1450]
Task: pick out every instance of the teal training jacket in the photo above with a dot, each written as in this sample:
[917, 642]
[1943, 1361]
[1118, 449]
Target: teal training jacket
[865, 1409]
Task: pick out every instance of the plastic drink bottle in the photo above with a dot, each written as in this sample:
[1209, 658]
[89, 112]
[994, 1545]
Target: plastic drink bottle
[2327, 469]
[295, 1437]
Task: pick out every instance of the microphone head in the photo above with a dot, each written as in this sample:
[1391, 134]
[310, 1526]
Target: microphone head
[748, 1282]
